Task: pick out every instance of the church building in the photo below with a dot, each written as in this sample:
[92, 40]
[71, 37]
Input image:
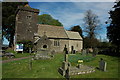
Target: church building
[48, 37]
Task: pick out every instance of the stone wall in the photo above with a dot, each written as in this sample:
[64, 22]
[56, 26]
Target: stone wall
[26, 24]
[77, 45]
[61, 46]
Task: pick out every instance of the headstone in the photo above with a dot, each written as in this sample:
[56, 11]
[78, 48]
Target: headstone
[65, 49]
[65, 69]
[84, 52]
[52, 53]
[74, 51]
[68, 73]
[64, 65]
[30, 64]
[95, 52]
[66, 57]
[79, 66]
[42, 54]
[102, 65]
[87, 51]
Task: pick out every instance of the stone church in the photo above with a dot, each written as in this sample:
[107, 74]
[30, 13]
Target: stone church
[43, 36]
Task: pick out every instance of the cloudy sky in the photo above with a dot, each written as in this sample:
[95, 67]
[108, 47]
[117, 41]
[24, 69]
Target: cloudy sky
[72, 13]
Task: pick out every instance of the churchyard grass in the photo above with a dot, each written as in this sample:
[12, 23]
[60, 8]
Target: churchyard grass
[49, 68]
[18, 55]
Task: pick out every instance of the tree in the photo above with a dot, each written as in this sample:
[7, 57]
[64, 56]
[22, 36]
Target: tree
[8, 19]
[113, 30]
[87, 42]
[47, 19]
[91, 26]
[77, 29]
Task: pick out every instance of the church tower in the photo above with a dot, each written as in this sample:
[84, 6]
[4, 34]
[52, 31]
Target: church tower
[26, 23]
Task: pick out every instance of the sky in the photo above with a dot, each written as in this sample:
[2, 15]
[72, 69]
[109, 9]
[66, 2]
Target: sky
[72, 13]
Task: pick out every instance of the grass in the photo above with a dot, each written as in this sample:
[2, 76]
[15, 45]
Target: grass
[49, 68]
[18, 55]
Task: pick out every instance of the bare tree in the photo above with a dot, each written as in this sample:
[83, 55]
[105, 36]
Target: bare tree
[91, 27]
[91, 24]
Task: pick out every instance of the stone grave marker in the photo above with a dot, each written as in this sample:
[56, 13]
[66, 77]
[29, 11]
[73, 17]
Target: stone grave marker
[87, 51]
[30, 64]
[84, 52]
[102, 65]
[52, 53]
[74, 51]
[95, 52]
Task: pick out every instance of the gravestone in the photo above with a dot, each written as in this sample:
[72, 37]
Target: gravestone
[102, 65]
[74, 51]
[84, 52]
[42, 54]
[87, 51]
[67, 75]
[52, 53]
[65, 69]
[95, 52]
[30, 64]
[79, 66]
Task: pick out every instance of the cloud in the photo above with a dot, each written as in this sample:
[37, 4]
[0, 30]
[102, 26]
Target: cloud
[72, 13]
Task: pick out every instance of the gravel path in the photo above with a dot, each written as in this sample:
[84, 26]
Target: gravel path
[15, 59]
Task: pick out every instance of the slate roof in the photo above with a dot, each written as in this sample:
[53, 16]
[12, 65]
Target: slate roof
[73, 35]
[51, 31]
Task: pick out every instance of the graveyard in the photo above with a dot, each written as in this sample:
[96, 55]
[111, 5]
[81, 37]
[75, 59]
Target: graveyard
[48, 68]
[46, 48]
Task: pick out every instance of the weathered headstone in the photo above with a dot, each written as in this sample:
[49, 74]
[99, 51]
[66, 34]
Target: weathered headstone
[95, 52]
[52, 53]
[79, 66]
[102, 65]
[30, 64]
[74, 51]
[87, 51]
[67, 75]
[84, 52]
[64, 70]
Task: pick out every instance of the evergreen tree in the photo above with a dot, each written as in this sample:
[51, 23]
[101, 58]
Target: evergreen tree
[8, 19]
[113, 30]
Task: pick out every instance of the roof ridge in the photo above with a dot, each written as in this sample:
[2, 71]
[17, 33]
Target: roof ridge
[52, 25]
[72, 31]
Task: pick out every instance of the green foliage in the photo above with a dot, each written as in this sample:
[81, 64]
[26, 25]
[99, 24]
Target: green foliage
[47, 19]
[77, 29]
[113, 30]
[105, 45]
[8, 19]
[90, 42]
